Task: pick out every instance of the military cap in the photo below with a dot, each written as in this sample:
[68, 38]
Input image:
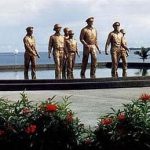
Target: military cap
[70, 32]
[122, 31]
[116, 24]
[29, 28]
[90, 19]
[66, 29]
[56, 26]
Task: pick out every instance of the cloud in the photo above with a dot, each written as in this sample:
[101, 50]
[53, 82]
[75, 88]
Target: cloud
[14, 12]
[43, 14]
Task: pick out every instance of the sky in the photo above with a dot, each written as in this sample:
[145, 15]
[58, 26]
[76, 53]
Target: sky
[16, 15]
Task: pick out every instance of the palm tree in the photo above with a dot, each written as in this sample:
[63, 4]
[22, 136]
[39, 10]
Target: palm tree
[143, 53]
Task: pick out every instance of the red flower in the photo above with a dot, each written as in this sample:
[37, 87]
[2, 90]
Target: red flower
[69, 117]
[31, 129]
[121, 116]
[2, 132]
[145, 97]
[106, 121]
[51, 107]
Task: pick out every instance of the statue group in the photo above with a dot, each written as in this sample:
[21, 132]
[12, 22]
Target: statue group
[64, 50]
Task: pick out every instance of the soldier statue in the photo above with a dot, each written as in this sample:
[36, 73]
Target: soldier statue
[115, 38]
[88, 38]
[57, 44]
[71, 50]
[64, 69]
[123, 55]
[30, 53]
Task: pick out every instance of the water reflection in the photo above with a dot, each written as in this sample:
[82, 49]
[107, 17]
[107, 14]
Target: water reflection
[16, 75]
[142, 72]
[50, 74]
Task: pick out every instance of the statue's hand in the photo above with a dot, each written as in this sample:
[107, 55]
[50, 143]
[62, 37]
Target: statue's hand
[99, 51]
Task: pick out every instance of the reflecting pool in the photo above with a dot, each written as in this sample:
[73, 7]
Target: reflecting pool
[50, 74]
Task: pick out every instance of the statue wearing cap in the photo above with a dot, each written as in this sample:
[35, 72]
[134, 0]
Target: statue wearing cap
[57, 44]
[116, 24]
[122, 31]
[56, 26]
[64, 69]
[30, 53]
[124, 53]
[115, 39]
[28, 29]
[88, 38]
[71, 50]
[90, 19]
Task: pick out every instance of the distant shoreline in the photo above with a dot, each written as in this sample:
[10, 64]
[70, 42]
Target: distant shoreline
[132, 49]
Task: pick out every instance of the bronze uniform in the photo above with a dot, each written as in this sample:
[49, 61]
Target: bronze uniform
[123, 56]
[64, 68]
[29, 56]
[71, 47]
[57, 42]
[116, 40]
[89, 37]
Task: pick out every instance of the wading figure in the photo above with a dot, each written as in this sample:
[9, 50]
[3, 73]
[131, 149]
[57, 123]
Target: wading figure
[88, 38]
[57, 43]
[71, 48]
[115, 38]
[64, 69]
[30, 53]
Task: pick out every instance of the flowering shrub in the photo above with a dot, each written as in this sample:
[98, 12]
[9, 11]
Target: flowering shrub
[128, 128]
[48, 125]
[17, 123]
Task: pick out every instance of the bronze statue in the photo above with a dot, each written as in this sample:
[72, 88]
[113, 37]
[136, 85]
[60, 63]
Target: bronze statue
[123, 55]
[30, 53]
[71, 49]
[64, 69]
[57, 43]
[88, 38]
[115, 38]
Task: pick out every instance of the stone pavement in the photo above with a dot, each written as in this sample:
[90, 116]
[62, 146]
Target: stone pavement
[88, 104]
